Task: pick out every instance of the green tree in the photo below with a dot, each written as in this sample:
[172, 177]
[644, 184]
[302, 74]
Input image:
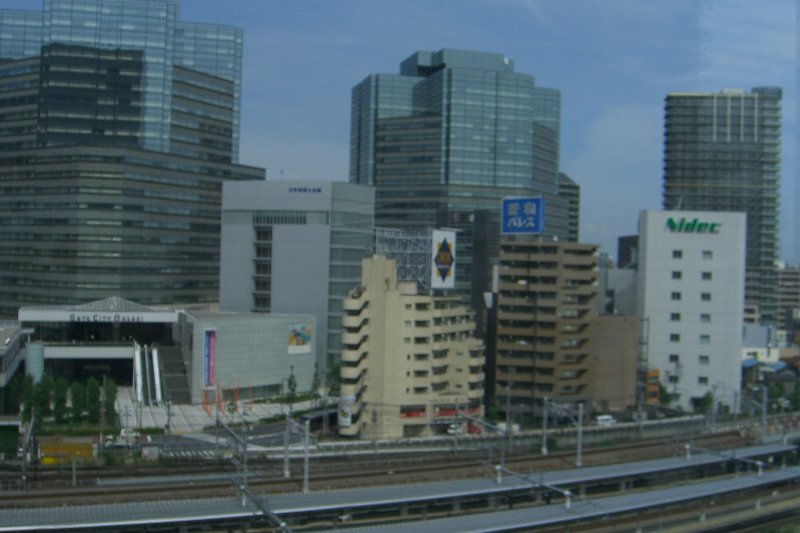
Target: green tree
[316, 382]
[796, 395]
[703, 405]
[77, 395]
[291, 390]
[28, 397]
[42, 395]
[109, 399]
[60, 391]
[13, 397]
[664, 397]
[334, 379]
[93, 400]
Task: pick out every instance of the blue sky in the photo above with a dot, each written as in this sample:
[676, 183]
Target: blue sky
[613, 60]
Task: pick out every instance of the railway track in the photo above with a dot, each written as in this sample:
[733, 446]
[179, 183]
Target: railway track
[53, 487]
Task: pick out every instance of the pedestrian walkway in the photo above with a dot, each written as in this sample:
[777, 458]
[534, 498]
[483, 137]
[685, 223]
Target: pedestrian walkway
[186, 418]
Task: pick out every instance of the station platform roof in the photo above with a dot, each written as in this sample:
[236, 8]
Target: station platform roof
[85, 517]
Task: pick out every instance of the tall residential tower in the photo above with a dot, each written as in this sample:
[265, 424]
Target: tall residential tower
[722, 153]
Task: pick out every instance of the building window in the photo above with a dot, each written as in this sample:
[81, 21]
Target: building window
[676, 296]
[706, 276]
[705, 317]
[677, 254]
[705, 296]
[674, 358]
[703, 359]
[676, 274]
[675, 317]
[708, 254]
[705, 339]
[702, 380]
[674, 337]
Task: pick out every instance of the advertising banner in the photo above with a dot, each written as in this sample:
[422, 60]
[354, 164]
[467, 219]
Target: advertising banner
[443, 259]
[346, 404]
[299, 338]
[209, 339]
[522, 216]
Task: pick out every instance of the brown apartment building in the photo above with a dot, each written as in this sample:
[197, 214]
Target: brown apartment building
[545, 314]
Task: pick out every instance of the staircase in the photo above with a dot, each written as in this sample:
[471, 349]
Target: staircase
[173, 371]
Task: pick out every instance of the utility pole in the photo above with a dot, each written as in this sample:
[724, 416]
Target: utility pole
[763, 411]
[286, 474]
[305, 457]
[509, 418]
[102, 411]
[714, 409]
[579, 461]
[544, 426]
[641, 371]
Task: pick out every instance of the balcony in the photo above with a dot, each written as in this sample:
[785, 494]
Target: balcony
[354, 321]
[353, 339]
[353, 356]
[478, 377]
[351, 389]
[354, 305]
[351, 372]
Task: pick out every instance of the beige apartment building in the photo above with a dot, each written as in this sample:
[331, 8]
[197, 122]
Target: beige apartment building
[410, 364]
[545, 315]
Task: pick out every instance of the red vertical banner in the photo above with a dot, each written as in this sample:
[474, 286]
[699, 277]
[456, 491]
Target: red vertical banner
[209, 339]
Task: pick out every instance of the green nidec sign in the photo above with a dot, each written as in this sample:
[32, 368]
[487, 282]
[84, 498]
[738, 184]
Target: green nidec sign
[692, 226]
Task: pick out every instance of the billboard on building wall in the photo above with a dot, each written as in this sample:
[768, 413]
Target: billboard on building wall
[346, 404]
[443, 259]
[209, 341]
[522, 216]
[300, 338]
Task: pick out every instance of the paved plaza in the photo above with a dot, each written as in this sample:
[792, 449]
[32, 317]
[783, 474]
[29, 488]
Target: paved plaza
[185, 419]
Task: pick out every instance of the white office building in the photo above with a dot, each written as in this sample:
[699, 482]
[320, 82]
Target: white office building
[295, 247]
[691, 300]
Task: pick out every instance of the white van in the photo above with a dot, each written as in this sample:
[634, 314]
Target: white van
[605, 421]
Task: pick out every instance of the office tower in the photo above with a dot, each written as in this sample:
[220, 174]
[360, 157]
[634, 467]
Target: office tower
[411, 365]
[722, 153]
[446, 139]
[118, 125]
[546, 309]
[691, 300]
[569, 193]
[190, 76]
[295, 247]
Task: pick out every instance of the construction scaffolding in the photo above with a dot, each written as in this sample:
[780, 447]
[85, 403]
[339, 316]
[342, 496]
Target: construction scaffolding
[411, 249]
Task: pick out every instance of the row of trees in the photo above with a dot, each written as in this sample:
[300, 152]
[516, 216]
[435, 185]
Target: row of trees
[67, 402]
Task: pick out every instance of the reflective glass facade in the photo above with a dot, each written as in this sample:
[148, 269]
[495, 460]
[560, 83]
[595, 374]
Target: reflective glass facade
[449, 136]
[148, 26]
[722, 153]
[118, 126]
[78, 224]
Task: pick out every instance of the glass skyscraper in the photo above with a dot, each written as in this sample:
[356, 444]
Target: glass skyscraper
[150, 27]
[722, 153]
[118, 125]
[446, 139]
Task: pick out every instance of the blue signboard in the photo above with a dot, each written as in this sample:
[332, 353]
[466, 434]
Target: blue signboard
[522, 216]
